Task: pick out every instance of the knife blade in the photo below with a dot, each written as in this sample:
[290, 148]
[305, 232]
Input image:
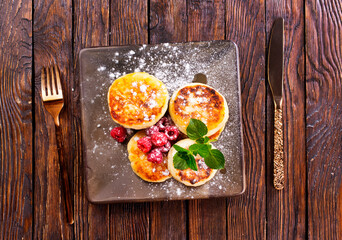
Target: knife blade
[275, 68]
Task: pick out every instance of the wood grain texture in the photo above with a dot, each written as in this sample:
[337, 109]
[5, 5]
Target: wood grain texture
[129, 221]
[91, 28]
[129, 22]
[129, 25]
[312, 122]
[168, 23]
[206, 20]
[323, 32]
[286, 209]
[52, 44]
[168, 219]
[207, 218]
[16, 120]
[245, 25]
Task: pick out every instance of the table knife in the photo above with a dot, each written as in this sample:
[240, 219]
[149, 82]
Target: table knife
[275, 67]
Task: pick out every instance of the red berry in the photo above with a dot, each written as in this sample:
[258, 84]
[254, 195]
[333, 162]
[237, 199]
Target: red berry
[119, 133]
[171, 133]
[163, 123]
[155, 156]
[159, 139]
[165, 148]
[144, 144]
[152, 130]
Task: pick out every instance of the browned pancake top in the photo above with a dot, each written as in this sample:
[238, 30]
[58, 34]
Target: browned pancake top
[134, 100]
[199, 102]
[148, 171]
[192, 176]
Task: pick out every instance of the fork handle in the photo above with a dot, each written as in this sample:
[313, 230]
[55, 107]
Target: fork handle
[64, 172]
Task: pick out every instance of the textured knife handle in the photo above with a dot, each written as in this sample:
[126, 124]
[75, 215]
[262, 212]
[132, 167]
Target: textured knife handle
[278, 171]
[65, 178]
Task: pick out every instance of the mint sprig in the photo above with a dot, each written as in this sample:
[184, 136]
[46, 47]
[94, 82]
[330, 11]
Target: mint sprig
[184, 159]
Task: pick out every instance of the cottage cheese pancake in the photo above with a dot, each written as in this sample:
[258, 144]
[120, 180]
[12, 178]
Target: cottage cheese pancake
[216, 135]
[188, 176]
[137, 100]
[148, 171]
[199, 101]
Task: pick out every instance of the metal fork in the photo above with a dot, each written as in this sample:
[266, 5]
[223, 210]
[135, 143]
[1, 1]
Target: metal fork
[53, 101]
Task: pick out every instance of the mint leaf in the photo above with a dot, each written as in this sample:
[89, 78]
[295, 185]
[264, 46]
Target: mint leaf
[180, 149]
[184, 158]
[194, 148]
[192, 162]
[203, 140]
[214, 159]
[204, 150]
[196, 129]
[179, 161]
[182, 161]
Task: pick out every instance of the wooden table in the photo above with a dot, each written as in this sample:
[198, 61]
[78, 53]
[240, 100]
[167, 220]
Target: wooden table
[37, 33]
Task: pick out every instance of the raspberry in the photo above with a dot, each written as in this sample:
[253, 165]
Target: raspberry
[171, 132]
[144, 144]
[119, 133]
[152, 130]
[165, 148]
[159, 139]
[163, 123]
[155, 156]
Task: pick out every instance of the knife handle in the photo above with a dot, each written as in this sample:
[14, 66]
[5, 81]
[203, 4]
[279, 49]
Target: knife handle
[278, 171]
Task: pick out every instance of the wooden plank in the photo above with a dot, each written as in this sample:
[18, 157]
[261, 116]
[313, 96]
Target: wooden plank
[129, 221]
[129, 25]
[16, 120]
[52, 44]
[207, 218]
[323, 31]
[91, 29]
[206, 20]
[245, 25]
[129, 22]
[287, 219]
[168, 23]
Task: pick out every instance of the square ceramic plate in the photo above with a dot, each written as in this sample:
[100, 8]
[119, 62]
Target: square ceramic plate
[109, 176]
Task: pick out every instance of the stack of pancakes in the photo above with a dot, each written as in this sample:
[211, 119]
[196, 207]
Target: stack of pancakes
[139, 100]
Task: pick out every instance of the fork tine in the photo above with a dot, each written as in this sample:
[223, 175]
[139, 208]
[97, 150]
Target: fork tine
[58, 81]
[48, 81]
[43, 82]
[53, 84]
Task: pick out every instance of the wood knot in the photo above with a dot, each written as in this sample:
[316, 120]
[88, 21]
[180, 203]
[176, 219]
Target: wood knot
[154, 20]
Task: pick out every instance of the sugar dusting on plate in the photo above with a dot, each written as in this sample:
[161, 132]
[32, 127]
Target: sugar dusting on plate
[175, 65]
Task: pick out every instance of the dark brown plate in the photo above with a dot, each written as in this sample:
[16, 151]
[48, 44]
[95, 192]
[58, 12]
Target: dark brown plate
[109, 176]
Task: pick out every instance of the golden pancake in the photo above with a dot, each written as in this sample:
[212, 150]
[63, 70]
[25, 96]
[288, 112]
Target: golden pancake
[148, 171]
[216, 135]
[137, 100]
[188, 176]
[198, 101]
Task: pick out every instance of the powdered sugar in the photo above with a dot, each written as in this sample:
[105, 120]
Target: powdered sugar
[143, 88]
[101, 68]
[175, 65]
[165, 172]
